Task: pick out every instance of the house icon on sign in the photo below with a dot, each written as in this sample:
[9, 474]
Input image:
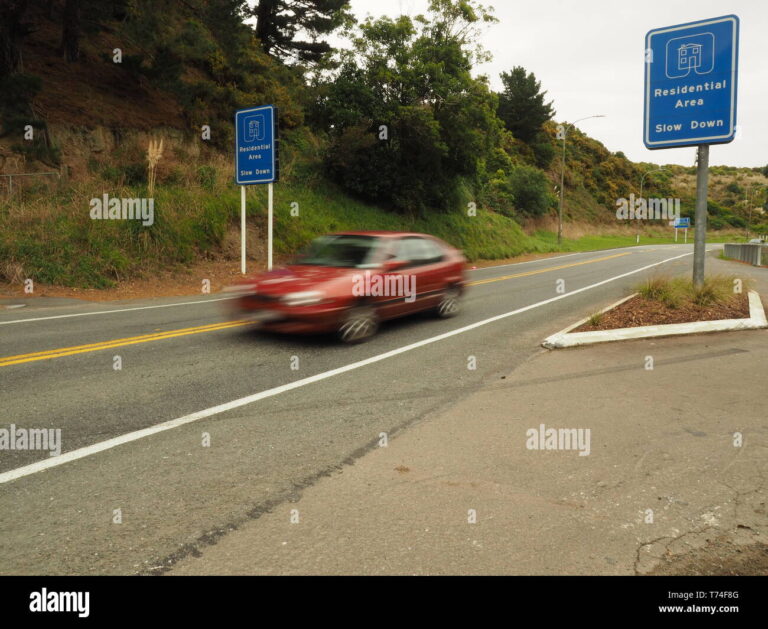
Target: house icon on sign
[689, 56]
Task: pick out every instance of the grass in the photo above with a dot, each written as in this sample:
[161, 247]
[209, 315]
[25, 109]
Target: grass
[47, 234]
[595, 319]
[679, 291]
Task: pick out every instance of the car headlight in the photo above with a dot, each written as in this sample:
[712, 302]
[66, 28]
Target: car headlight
[306, 298]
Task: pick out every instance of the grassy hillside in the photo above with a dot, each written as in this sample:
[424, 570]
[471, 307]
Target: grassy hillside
[188, 66]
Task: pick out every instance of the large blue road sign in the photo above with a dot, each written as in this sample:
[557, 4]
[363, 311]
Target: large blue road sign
[256, 145]
[691, 75]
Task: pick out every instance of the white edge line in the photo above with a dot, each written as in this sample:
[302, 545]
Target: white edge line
[80, 453]
[568, 255]
[755, 321]
[88, 314]
[205, 301]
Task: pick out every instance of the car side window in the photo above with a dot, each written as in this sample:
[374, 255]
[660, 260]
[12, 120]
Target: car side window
[418, 251]
[434, 251]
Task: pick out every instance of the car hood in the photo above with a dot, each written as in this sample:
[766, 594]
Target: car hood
[297, 278]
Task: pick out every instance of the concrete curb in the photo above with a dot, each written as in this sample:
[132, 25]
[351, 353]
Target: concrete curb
[566, 338]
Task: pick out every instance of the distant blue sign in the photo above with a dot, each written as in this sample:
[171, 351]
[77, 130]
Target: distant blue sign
[256, 145]
[691, 76]
[683, 223]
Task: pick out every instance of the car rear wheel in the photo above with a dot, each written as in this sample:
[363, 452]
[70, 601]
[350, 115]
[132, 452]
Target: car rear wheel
[360, 324]
[450, 303]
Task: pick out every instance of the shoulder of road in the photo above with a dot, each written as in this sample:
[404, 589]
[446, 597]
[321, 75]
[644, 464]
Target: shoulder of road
[673, 463]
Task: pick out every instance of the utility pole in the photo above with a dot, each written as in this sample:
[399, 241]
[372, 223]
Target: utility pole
[563, 132]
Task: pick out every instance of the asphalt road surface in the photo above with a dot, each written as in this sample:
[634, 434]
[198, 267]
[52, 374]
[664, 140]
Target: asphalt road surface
[207, 425]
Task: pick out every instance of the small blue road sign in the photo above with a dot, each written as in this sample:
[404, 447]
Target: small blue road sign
[256, 145]
[683, 223]
[691, 76]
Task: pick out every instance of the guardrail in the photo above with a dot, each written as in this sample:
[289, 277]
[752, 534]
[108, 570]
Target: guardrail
[754, 254]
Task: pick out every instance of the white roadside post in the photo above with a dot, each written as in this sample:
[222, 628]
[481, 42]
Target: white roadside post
[242, 229]
[256, 162]
[269, 230]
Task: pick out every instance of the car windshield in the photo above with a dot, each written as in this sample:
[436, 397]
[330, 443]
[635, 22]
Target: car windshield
[346, 250]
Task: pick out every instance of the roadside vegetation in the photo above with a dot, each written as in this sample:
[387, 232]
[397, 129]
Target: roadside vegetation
[679, 292]
[662, 300]
[394, 130]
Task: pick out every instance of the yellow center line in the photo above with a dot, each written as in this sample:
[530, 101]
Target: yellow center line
[547, 270]
[132, 340]
[214, 327]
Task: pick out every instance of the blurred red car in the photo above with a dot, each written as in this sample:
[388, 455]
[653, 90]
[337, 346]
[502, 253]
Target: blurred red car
[347, 283]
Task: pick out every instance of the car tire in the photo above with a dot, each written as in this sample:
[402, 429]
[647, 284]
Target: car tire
[450, 303]
[360, 324]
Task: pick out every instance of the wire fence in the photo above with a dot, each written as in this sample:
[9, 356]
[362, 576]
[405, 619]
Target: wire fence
[9, 179]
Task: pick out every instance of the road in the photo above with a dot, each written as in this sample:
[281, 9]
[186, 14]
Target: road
[207, 426]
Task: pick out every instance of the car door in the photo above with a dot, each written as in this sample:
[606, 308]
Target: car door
[416, 280]
[428, 260]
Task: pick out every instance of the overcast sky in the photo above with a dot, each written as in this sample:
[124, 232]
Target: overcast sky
[588, 55]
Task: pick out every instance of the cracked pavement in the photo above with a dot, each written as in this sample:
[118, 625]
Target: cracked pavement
[666, 479]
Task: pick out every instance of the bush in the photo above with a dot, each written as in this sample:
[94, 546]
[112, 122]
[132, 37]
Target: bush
[716, 289]
[543, 151]
[530, 190]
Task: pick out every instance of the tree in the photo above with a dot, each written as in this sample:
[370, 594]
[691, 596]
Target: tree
[70, 33]
[279, 21]
[12, 31]
[530, 191]
[521, 104]
[410, 127]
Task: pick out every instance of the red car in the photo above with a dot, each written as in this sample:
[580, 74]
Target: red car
[347, 283]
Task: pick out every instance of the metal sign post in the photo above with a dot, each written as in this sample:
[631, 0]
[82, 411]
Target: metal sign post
[242, 229]
[269, 229]
[256, 162]
[691, 77]
[681, 223]
[700, 218]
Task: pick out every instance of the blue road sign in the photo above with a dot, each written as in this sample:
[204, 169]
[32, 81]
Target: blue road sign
[256, 145]
[683, 223]
[691, 76]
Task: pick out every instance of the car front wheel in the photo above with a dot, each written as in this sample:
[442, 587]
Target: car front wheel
[450, 303]
[360, 324]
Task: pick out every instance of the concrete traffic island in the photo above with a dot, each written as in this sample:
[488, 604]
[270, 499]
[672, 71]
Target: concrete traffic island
[569, 338]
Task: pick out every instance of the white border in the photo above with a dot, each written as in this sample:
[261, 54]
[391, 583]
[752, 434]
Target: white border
[565, 338]
[271, 108]
[733, 79]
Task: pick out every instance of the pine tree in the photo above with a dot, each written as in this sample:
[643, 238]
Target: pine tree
[278, 21]
[521, 104]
